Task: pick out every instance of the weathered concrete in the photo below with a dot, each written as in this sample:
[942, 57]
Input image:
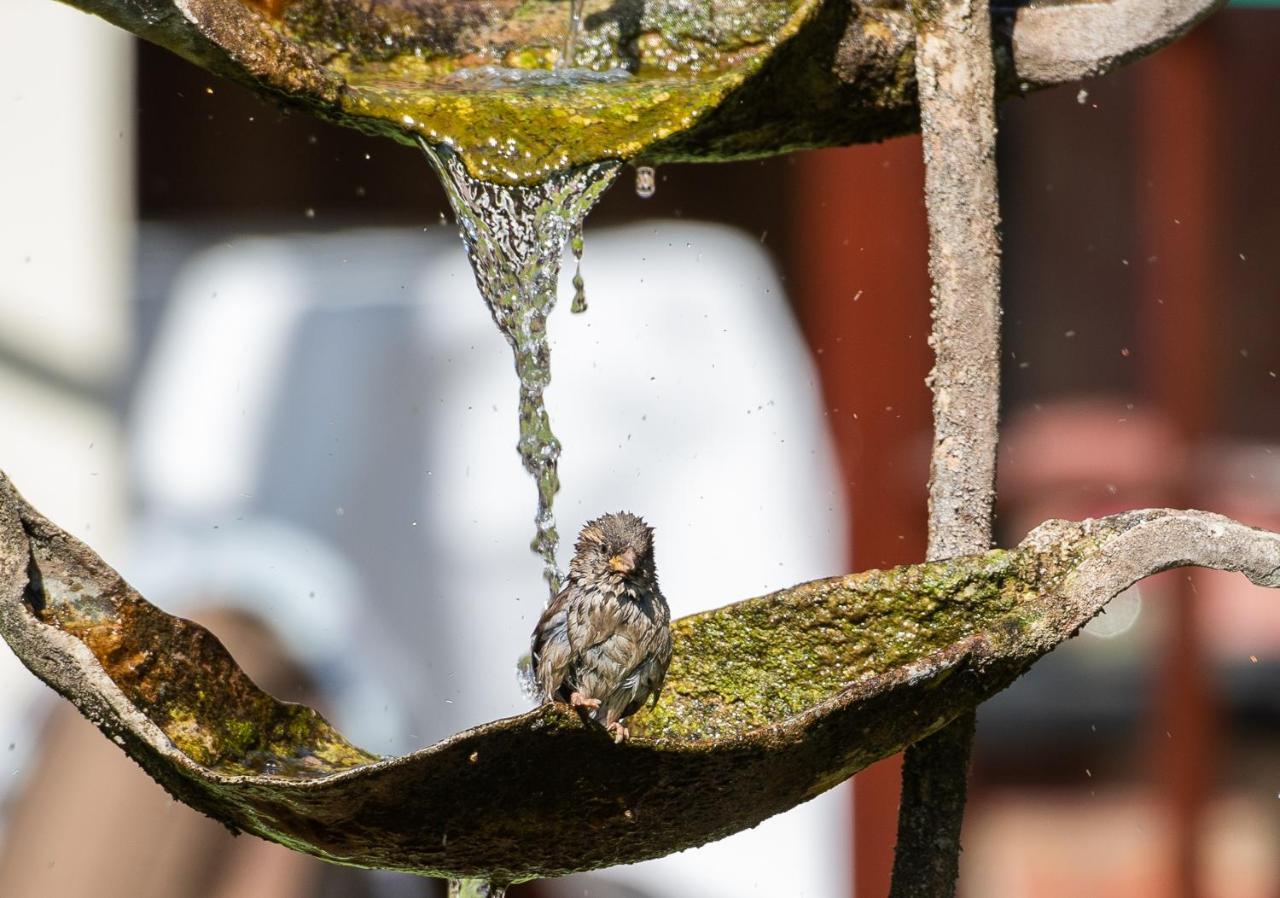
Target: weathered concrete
[755, 78]
[768, 702]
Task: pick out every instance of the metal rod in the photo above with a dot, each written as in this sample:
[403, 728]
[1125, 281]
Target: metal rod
[956, 77]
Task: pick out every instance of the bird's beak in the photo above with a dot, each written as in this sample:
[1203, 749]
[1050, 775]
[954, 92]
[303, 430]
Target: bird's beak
[624, 562]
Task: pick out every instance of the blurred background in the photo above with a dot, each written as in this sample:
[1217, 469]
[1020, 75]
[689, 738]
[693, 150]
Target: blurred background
[241, 355]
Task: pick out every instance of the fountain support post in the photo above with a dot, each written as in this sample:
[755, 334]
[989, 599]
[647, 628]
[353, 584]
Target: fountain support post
[955, 72]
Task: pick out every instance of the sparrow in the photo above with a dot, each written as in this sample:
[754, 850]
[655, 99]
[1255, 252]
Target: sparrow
[604, 642]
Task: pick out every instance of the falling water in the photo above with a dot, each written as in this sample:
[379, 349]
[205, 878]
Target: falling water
[475, 888]
[571, 36]
[579, 285]
[515, 237]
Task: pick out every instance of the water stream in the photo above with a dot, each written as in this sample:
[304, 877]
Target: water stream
[515, 238]
[571, 35]
[579, 285]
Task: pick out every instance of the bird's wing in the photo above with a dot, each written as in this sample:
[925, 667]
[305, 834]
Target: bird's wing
[662, 657]
[645, 663]
[593, 622]
[551, 651]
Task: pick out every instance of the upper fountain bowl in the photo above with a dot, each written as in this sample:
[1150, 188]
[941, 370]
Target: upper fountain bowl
[489, 78]
[650, 80]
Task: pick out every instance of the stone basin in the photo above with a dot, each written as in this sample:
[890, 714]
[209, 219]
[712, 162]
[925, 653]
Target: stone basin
[651, 80]
[768, 701]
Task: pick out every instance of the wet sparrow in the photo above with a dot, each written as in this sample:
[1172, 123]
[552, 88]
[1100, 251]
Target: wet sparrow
[604, 643]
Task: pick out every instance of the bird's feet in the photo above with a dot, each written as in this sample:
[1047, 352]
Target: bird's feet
[578, 700]
[619, 731]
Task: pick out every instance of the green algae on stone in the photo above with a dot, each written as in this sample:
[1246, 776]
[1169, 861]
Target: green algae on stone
[780, 75]
[518, 136]
[776, 698]
[777, 655]
[513, 119]
[482, 77]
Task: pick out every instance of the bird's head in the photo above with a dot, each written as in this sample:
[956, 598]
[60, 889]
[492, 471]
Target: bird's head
[614, 547]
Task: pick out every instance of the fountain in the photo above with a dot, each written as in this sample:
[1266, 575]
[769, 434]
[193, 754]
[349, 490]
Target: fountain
[785, 695]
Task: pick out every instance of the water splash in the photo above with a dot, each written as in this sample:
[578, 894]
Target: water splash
[579, 285]
[527, 680]
[566, 59]
[515, 237]
[475, 888]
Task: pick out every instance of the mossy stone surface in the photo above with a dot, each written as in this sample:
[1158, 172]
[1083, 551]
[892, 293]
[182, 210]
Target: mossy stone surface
[484, 77]
[768, 702]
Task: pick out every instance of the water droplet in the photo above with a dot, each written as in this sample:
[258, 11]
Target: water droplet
[579, 285]
[646, 182]
[474, 888]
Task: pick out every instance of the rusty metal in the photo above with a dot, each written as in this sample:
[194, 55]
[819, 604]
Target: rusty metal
[860, 244]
